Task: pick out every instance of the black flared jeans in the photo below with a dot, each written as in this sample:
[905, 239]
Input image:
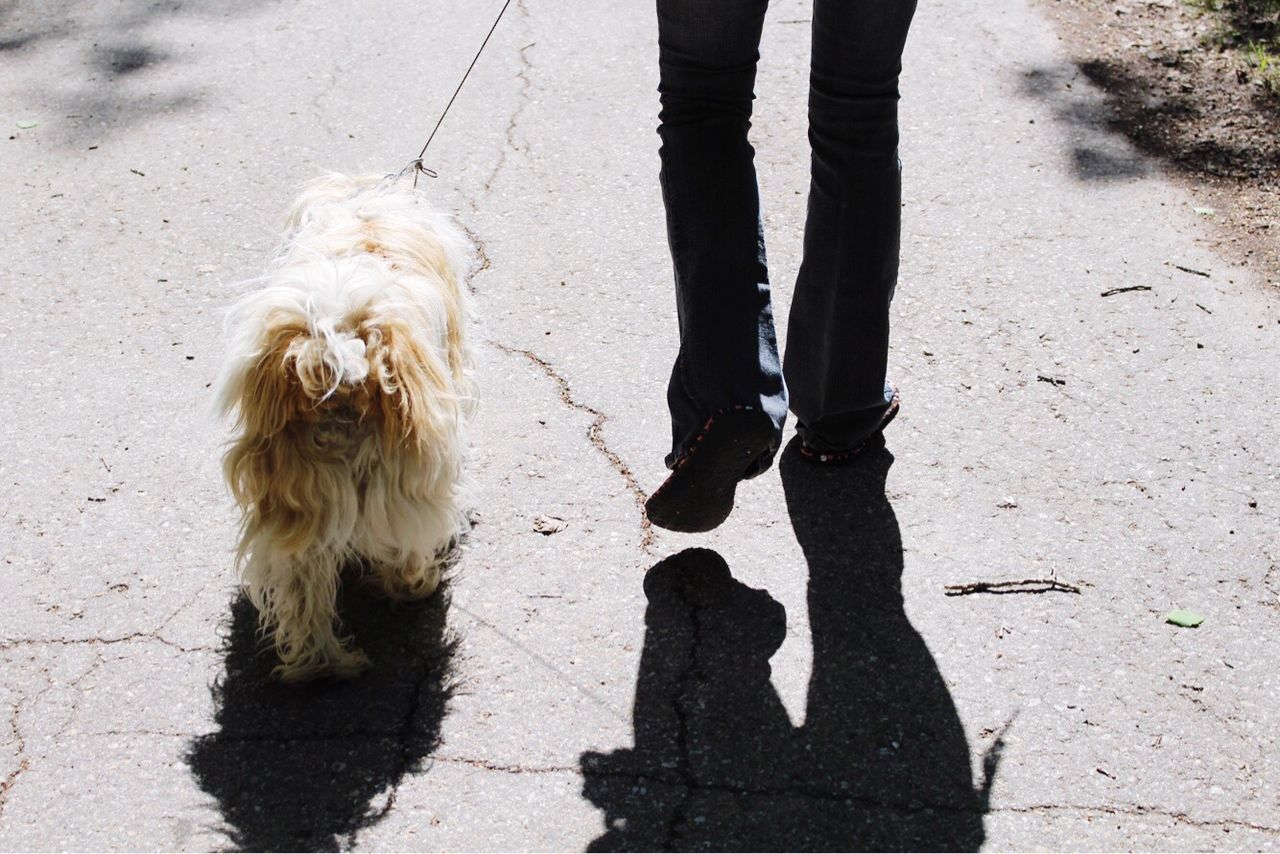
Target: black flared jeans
[838, 333]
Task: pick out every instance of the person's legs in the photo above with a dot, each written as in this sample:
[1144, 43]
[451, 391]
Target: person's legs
[728, 354]
[838, 336]
[726, 394]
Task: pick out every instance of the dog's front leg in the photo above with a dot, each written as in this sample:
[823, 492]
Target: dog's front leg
[296, 597]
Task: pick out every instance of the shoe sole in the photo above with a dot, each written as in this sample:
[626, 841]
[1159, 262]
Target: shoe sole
[698, 495]
[841, 458]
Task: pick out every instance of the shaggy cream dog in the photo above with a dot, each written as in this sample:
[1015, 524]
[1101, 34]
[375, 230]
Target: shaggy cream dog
[348, 381]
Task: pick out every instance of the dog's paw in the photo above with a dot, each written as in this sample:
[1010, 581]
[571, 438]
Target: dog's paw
[329, 664]
[417, 579]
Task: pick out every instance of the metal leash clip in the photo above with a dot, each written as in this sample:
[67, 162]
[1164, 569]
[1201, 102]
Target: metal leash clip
[416, 165]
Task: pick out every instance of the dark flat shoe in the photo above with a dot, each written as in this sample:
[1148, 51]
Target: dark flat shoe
[698, 494]
[844, 456]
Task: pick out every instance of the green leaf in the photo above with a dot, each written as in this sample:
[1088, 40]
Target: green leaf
[27, 124]
[1182, 617]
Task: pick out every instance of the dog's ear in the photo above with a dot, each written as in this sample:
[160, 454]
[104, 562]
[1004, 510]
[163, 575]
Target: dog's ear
[261, 389]
[409, 384]
[265, 389]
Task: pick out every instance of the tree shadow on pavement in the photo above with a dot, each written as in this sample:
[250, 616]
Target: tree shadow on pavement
[108, 55]
[306, 769]
[881, 762]
[1116, 127]
[1098, 153]
[1170, 125]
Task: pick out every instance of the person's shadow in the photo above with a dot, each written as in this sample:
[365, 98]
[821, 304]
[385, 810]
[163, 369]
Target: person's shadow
[307, 768]
[881, 762]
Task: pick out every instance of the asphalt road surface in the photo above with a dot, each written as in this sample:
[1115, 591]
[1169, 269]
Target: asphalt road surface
[799, 678]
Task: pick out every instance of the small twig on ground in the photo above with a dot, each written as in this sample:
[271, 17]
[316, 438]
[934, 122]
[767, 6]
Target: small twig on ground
[1202, 308]
[1025, 585]
[1115, 291]
[1188, 270]
[1050, 380]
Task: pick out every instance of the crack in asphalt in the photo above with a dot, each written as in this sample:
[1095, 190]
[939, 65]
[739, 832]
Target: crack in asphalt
[312, 738]
[78, 695]
[337, 71]
[486, 187]
[15, 643]
[1274, 602]
[164, 624]
[404, 735]
[815, 793]
[526, 86]
[595, 434]
[678, 814]
[136, 733]
[24, 762]
[488, 765]
[481, 249]
[1139, 810]
[8, 782]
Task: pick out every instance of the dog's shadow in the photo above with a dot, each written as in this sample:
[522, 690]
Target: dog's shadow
[306, 769]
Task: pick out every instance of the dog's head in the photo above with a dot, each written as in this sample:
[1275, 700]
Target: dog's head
[373, 357]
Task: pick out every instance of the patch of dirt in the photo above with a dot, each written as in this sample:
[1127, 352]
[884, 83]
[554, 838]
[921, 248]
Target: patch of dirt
[1182, 93]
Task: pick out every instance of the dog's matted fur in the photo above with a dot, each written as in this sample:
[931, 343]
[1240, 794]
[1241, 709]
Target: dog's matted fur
[348, 381]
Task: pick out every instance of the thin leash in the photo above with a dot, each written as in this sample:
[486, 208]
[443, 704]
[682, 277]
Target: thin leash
[416, 163]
